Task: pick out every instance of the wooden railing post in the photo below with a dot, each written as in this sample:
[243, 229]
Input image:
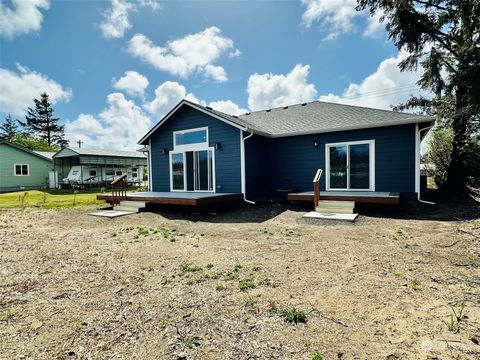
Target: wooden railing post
[119, 190]
[316, 188]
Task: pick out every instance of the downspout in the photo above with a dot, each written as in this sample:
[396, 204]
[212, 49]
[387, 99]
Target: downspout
[418, 141]
[242, 151]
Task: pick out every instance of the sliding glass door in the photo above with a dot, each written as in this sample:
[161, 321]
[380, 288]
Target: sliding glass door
[192, 170]
[350, 166]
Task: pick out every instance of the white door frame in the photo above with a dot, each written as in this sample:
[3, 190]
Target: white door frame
[211, 181]
[371, 157]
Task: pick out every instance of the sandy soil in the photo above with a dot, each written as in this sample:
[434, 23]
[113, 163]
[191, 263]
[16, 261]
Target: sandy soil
[152, 286]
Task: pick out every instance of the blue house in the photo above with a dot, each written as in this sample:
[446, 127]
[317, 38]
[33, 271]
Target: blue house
[197, 153]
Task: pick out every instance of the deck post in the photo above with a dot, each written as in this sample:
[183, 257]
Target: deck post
[316, 188]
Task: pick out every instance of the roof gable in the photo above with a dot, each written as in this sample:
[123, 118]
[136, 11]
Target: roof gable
[229, 119]
[31, 152]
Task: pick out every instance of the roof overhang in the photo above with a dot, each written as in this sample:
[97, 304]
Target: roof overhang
[348, 128]
[194, 106]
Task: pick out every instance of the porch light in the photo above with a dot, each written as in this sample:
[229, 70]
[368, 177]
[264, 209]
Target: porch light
[164, 151]
[315, 144]
[218, 146]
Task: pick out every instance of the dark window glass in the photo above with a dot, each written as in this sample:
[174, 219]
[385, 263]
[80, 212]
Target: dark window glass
[359, 166]
[338, 167]
[24, 169]
[178, 172]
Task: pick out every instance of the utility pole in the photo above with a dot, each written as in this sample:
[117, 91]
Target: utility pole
[79, 142]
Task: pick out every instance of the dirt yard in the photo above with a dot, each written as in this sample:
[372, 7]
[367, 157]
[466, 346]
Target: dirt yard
[228, 286]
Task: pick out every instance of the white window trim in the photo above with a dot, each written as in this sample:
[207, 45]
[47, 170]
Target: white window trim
[15, 169]
[371, 164]
[183, 152]
[190, 147]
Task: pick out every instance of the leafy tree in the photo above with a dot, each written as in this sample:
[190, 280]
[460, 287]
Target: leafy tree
[31, 143]
[8, 128]
[442, 36]
[41, 124]
[439, 151]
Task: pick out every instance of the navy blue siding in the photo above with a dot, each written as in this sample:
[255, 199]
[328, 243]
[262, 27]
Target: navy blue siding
[227, 159]
[292, 161]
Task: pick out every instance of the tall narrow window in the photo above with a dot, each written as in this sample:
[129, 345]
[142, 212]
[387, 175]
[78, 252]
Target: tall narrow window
[178, 172]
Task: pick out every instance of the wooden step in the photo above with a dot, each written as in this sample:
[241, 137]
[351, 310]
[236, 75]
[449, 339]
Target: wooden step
[130, 206]
[333, 210]
[337, 207]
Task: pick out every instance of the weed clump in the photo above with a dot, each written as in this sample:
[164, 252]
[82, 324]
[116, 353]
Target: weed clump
[293, 315]
[247, 284]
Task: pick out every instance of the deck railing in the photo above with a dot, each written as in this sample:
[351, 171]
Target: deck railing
[316, 188]
[119, 189]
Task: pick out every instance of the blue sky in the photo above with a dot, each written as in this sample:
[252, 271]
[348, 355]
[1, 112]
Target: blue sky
[95, 58]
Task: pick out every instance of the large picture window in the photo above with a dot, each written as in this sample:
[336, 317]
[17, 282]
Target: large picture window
[21, 169]
[188, 138]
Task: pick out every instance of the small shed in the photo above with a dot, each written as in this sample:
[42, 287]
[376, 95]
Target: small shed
[81, 166]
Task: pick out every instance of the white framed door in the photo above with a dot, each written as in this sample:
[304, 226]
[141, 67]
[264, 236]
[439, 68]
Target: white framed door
[350, 166]
[192, 170]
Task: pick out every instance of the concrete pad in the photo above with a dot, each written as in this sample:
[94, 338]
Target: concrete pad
[111, 213]
[331, 216]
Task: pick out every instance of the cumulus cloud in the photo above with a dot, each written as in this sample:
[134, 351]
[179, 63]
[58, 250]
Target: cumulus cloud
[167, 95]
[337, 17]
[272, 90]
[116, 19]
[228, 107]
[383, 88]
[193, 53]
[133, 83]
[22, 17]
[18, 89]
[119, 126]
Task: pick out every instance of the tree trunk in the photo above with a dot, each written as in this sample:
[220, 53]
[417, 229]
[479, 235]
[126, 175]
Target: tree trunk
[456, 178]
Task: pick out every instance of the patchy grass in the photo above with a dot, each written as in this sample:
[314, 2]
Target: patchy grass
[49, 199]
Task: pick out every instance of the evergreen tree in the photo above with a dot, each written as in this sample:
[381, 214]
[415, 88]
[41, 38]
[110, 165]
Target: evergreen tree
[41, 124]
[8, 128]
[442, 36]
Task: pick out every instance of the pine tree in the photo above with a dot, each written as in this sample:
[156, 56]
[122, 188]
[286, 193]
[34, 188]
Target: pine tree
[443, 38]
[41, 124]
[8, 128]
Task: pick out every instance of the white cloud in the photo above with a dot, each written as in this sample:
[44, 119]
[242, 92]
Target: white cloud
[383, 88]
[374, 25]
[182, 57]
[167, 95]
[336, 17]
[18, 89]
[119, 126]
[116, 19]
[271, 90]
[228, 107]
[133, 83]
[23, 17]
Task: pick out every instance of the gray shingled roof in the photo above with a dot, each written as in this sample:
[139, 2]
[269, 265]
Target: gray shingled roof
[308, 118]
[319, 117]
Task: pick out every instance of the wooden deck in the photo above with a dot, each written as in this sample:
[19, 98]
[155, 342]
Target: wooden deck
[178, 198]
[373, 197]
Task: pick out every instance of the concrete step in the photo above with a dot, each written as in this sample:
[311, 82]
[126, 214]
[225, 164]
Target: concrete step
[138, 204]
[334, 210]
[337, 217]
[126, 208]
